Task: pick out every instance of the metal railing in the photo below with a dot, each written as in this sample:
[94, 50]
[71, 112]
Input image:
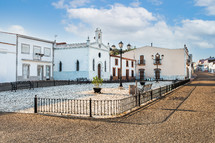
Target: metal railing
[100, 107]
[157, 61]
[141, 62]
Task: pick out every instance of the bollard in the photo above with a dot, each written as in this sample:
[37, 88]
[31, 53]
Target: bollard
[160, 91]
[35, 104]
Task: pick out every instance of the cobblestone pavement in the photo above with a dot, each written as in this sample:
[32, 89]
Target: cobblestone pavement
[186, 115]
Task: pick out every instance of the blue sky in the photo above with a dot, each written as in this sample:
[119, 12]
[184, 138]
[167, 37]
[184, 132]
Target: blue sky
[165, 23]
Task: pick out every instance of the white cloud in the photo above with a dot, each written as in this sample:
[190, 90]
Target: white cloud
[17, 29]
[208, 4]
[156, 2]
[138, 26]
[61, 4]
[78, 3]
[117, 16]
[204, 44]
[135, 3]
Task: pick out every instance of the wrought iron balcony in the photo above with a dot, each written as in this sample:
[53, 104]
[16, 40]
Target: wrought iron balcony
[141, 62]
[157, 61]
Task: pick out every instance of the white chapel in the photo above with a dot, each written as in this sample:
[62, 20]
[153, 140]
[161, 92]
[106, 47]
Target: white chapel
[82, 60]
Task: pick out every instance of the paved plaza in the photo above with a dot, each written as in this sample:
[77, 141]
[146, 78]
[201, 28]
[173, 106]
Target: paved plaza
[186, 115]
[23, 100]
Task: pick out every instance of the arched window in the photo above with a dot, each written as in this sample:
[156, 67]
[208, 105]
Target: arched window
[105, 66]
[93, 65]
[60, 66]
[77, 65]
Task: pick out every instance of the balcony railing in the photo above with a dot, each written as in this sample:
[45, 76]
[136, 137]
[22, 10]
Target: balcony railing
[141, 62]
[157, 61]
[38, 56]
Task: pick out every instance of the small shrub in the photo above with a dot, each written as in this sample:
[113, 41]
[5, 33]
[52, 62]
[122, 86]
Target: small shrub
[97, 81]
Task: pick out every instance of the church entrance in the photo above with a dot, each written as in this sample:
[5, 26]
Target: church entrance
[99, 70]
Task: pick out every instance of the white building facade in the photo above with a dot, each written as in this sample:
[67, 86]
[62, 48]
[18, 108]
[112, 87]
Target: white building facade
[161, 63]
[25, 58]
[128, 68]
[82, 60]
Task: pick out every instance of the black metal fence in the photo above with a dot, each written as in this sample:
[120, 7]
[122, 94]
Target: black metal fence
[100, 107]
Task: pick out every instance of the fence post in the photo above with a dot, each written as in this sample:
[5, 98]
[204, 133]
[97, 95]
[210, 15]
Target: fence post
[160, 91]
[35, 104]
[139, 98]
[90, 107]
[151, 95]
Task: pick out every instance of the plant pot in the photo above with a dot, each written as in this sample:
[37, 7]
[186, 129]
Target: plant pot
[97, 89]
[142, 83]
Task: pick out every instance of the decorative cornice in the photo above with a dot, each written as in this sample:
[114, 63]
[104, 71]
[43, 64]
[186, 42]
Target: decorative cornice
[38, 61]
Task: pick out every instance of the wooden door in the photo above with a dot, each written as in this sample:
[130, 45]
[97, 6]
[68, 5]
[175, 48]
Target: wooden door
[157, 74]
[127, 74]
[119, 73]
[141, 74]
[99, 70]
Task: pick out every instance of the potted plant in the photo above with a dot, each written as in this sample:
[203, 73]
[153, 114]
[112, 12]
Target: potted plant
[97, 82]
[142, 83]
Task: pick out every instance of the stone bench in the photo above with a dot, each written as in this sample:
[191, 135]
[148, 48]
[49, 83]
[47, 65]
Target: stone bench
[145, 88]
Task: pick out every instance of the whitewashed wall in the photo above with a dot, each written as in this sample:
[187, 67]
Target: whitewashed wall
[28, 58]
[94, 54]
[7, 57]
[124, 67]
[172, 66]
[69, 57]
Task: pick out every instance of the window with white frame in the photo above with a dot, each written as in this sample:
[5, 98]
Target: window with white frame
[26, 71]
[37, 52]
[25, 49]
[47, 52]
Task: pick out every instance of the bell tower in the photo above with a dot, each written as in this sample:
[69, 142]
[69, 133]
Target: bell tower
[98, 36]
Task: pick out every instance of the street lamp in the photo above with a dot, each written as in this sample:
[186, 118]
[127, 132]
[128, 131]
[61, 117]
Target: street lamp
[128, 46]
[157, 62]
[120, 46]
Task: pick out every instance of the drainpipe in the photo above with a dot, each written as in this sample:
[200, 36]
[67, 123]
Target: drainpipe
[53, 44]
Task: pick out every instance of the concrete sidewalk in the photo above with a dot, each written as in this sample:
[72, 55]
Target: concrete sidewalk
[187, 115]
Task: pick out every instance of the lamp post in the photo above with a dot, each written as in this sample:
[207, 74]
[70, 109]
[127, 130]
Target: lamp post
[120, 46]
[157, 62]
